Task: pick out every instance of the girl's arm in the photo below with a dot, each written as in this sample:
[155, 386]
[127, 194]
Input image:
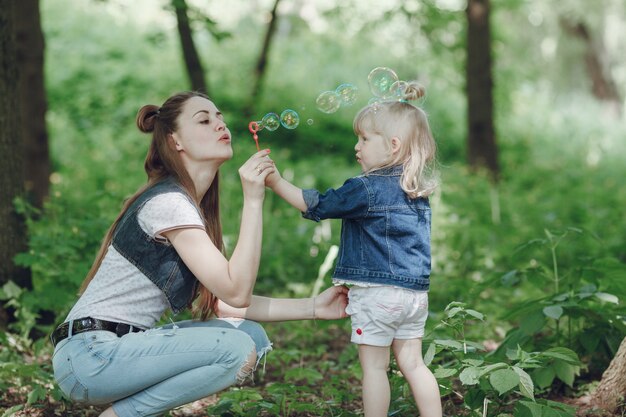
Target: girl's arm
[351, 200]
[230, 280]
[290, 193]
[329, 305]
[286, 190]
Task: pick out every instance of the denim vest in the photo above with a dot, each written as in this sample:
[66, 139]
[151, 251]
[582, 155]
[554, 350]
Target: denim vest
[385, 235]
[156, 260]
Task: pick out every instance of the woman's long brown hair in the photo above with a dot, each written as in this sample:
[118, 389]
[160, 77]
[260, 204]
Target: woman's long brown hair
[161, 162]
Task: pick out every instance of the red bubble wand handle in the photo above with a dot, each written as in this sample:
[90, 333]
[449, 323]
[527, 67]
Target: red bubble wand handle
[253, 127]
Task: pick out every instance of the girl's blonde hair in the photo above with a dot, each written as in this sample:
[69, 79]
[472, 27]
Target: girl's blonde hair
[163, 161]
[408, 123]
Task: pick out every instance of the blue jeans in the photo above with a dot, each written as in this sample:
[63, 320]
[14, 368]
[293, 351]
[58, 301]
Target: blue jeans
[148, 373]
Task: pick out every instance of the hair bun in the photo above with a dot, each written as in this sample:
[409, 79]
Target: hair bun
[146, 117]
[414, 91]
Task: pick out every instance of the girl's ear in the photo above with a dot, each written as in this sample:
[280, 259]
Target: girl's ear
[395, 145]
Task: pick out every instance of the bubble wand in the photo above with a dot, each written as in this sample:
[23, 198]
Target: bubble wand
[271, 121]
[253, 127]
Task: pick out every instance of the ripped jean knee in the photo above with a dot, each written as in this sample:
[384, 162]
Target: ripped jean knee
[252, 329]
[248, 367]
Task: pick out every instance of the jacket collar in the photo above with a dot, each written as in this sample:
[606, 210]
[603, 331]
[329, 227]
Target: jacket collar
[391, 171]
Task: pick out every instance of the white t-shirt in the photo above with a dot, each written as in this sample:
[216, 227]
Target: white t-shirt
[119, 291]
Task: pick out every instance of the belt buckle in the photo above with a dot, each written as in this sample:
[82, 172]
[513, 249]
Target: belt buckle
[83, 324]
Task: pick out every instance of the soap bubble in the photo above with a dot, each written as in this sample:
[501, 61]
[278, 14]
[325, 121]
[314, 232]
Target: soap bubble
[398, 88]
[328, 102]
[289, 119]
[374, 101]
[309, 122]
[348, 93]
[270, 121]
[380, 80]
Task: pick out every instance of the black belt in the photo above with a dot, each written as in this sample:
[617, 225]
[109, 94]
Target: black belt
[87, 324]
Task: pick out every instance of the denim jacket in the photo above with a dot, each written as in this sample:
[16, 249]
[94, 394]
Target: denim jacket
[385, 236]
[156, 260]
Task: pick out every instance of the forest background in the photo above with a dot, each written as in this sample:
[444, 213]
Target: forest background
[526, 102]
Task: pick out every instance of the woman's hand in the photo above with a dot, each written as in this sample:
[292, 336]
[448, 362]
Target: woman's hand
[253, 174]
[331, 303]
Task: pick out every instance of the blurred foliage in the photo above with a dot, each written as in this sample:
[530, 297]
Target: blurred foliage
[535, 264]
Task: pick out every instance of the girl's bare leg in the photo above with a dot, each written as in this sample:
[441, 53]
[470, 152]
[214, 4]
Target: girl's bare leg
[376, 391]
[423, 384]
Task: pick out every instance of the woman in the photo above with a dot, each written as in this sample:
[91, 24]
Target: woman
[164, 251]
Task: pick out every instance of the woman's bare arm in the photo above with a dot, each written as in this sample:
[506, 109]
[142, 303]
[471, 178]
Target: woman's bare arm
[330, 304]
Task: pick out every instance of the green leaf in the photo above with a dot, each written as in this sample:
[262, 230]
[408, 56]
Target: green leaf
[38, 393]
[493, 367]
[11, 411]
[609, 298]
[588, 289]
[454, 304]
[300, 374]
[476, 314]
[561, 297]
[543, 408]
[562, 353]
[473, 362]
[544, 376]
[565, 372]
[474, 398]
[222, 407]
[510, 278]
[449, 343]
[554, 312]
[10, 291]
[531, 409]
[532, 323]
[526, 385]
[303, 407]
[567, 409]
[470, 376]
[430, 354]
[441, 373]
[590, 338]
[474, 346]
[504, 380]
[548, 412]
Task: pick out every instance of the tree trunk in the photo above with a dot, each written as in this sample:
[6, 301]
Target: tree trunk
[603, 85]
[190, 54]
[612, 388]
[482, 149]
[13, 238]
[32, 96]
[261, 65]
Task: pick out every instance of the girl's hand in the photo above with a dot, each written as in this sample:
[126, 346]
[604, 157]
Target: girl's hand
[331, 303]
[274, 178]
[253, 174]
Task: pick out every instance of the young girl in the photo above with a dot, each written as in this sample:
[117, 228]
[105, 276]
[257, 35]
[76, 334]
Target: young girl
[385, 245]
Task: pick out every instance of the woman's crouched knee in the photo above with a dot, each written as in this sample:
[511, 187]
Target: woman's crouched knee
[247, 368]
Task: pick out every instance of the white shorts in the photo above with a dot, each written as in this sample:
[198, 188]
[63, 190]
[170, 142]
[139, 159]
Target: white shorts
[381, 314]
